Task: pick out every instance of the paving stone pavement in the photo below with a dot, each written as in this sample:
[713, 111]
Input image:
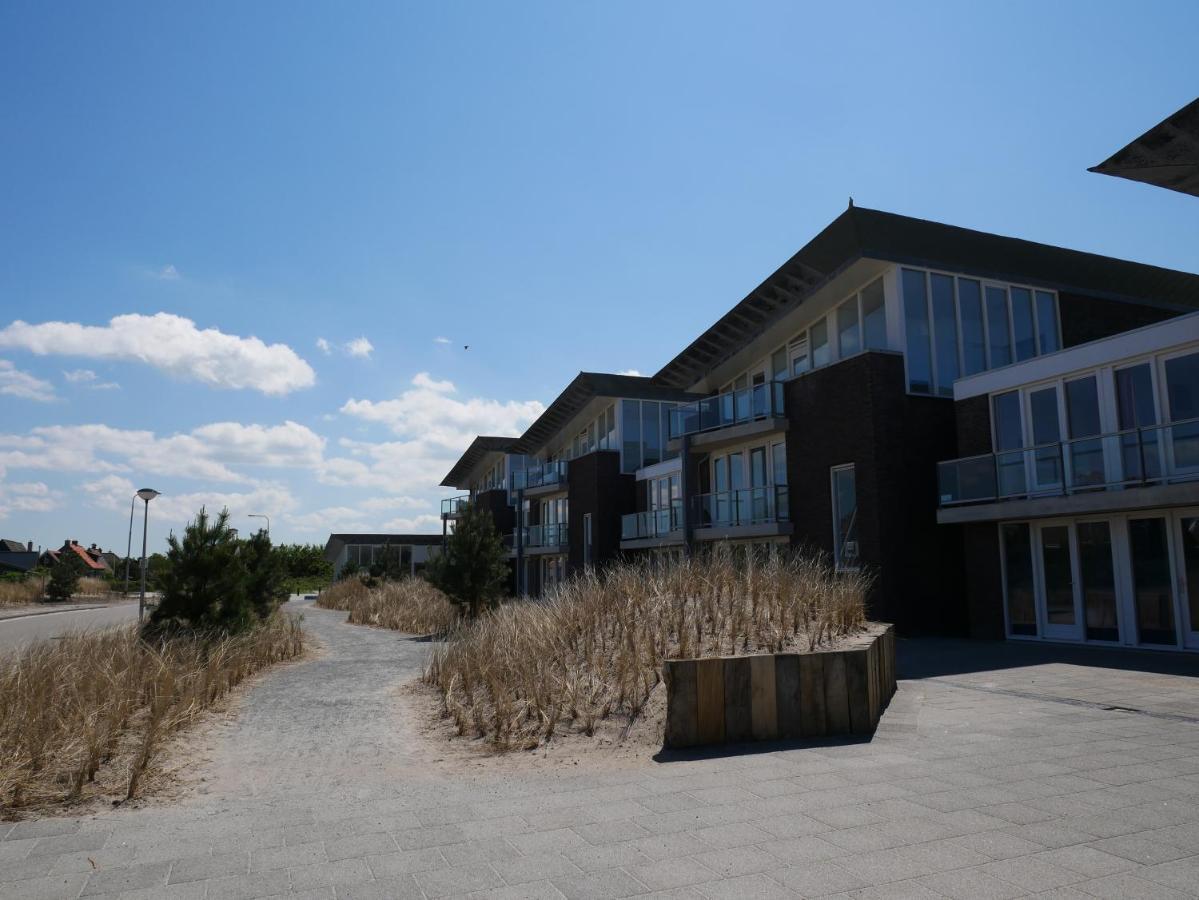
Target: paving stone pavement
[995, 786]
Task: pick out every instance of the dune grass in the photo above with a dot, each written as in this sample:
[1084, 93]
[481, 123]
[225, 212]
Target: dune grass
[594, 649]
[410, 604]
[87, 713]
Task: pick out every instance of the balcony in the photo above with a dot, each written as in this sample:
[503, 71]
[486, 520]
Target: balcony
[546, 475]
[654, 524]
[451, 507]
[762, 401]
[546, 537]
[1152, 457]
[746, 508]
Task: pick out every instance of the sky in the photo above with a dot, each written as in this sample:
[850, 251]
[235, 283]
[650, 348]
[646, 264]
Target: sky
[289, 258]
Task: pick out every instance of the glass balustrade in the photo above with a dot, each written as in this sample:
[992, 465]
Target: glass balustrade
[1150, 455]
[546, 535]
[749, 506]
[543, 475]
[732, 408]
[651, 524]
[452, 506]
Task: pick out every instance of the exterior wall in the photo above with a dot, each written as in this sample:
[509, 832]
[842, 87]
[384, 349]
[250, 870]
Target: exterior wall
[857, 411]
[1090, 318]
[973, 425]
[598, 487]
[496, 503]
[984, 587]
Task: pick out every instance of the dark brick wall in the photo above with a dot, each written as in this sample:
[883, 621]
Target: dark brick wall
[496, 503]
[597, 486]
[858, 411]
[980, 550]
[1090, 318]
[973, 425]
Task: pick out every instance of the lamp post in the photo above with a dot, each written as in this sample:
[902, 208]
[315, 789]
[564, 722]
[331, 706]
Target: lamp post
[262, 516]
[129, 545]
[147, 494]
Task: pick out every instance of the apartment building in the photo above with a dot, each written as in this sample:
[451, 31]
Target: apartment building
[1077, 492]
[815, 412]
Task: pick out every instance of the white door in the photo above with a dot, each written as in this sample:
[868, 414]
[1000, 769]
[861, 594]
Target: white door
[1060, 594]
[1187, 535]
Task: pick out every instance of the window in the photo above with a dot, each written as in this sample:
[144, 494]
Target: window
[587, 539]
[1024, 341]
[945, 331]
[1018, 581]
[849, 339]
[1047, 323]
[650, 433]
[630, 412]
[874, 316]
[915, 317]
[798, 350]
[845, 517]
[778, 364]
[999, 338]
[778, 458]
[974, 342]
[819, 339]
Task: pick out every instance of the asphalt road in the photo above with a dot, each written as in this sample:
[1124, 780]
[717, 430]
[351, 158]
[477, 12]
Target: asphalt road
[15, 633]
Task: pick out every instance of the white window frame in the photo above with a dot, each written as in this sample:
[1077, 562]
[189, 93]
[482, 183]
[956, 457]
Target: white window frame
[832, 477]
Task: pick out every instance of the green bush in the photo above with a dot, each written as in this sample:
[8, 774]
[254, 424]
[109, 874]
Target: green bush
[473, 570]
[64, 577]
[212, 580]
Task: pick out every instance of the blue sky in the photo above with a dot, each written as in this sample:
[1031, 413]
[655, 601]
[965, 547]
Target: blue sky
[199, 193]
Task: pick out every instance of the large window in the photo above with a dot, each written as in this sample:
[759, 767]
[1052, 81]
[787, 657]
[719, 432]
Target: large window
[845, 517]
[1018, 579]
[961, 326]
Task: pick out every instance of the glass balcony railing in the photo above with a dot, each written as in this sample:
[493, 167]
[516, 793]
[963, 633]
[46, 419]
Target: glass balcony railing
[543, 475]
[451, 507]
[762, 401]
[749, 506]
[1138, 456]
[546, 535]
[652, 524]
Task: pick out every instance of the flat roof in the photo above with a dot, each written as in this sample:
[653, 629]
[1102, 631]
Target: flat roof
[337, 541]
[1166, 156]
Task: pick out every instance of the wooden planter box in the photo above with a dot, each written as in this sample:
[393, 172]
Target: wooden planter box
[729, 699]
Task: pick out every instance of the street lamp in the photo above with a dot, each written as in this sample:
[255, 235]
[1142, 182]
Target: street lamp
[129, 545]
[261, 516]
[147, 494]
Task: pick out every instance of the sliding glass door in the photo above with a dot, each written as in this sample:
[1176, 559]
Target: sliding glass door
[1058, 583]
[1152, 582]
[1188, 544]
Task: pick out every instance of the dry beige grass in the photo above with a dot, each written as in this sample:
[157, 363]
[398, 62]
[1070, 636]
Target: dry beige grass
[20, 593]
[95, 706]
[410, 604]
[594, 649]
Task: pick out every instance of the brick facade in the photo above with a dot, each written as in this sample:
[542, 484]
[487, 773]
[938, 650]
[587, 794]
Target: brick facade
[858, 411]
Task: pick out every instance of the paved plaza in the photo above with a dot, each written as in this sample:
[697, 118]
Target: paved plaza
[997, 772]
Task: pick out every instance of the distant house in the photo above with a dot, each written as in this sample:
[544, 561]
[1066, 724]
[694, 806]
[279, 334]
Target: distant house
[363, 550]
[93, 558]
[16, 556]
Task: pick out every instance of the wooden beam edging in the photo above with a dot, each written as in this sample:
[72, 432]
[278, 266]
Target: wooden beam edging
[729, 699]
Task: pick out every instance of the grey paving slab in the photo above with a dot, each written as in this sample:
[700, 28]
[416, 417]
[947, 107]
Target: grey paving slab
[986, 782]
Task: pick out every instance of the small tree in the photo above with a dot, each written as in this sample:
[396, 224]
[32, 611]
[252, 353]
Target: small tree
[266, 574]
[64, 576]
[389, 565]
[213, 580]
[474, 567]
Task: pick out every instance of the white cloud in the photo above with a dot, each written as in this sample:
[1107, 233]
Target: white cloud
[168, 273]
[206, 453]
[174, 345]
[27, 497]
[176, 510]
[360, 347]
[431, 416]
[414, 525]
[323, 346]
[441, 340]
[15, 383]
[88, 378]
[632, 372]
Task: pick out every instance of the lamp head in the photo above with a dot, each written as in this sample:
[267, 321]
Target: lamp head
[147, 494]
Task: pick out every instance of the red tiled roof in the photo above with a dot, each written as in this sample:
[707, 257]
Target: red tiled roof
[82, 553]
